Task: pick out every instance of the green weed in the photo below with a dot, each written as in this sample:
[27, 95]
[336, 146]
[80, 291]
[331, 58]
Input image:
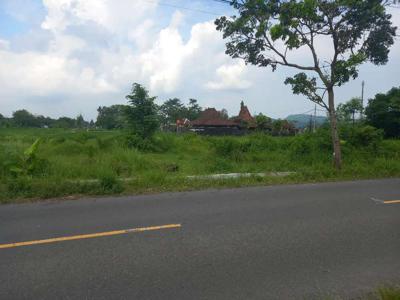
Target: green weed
[65, 160]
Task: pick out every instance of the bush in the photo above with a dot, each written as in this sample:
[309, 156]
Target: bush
[109, 184]
[363, 136]
[157, 143]
[310, 143]
[263, 142]
[142, 144]
[20, 186]
[163, 142]
[26, 164]
[232, 148]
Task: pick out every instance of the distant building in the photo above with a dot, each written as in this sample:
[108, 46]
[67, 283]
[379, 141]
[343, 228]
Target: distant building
[245, 119]
[212, 122]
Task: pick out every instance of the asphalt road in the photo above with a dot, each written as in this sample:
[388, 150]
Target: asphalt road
[280, 242]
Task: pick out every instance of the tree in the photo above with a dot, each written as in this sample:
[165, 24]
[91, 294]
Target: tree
[80, 121]
[3, 121]
[263, 122]
[266, 31]
[347, 111]
[141, 114]
[193, 110]
[111, 117]
[224, 114]
[64, 122]
[383, 111]
[23, 118]
[44, 121]
[172, 110]
[283, 127]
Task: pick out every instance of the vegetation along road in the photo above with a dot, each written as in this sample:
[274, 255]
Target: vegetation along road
[279, 242]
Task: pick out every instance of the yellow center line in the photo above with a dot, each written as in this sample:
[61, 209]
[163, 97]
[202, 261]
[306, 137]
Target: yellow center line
[88, 236]
[391, 201]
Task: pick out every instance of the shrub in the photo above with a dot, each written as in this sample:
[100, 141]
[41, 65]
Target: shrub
[232, 148]
[142, 144]
[141, 114]
[163, 142]
[262, 142]
[157, 143]
[306, 144]
[363, 136]
[109, 184]
[69, 147]
[29, 163]
[21, 186]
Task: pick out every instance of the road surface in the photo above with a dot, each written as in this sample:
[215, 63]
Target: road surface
[279, 242]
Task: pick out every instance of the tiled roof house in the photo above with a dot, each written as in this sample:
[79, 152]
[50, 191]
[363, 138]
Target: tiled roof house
[210, 117]
[244, 117]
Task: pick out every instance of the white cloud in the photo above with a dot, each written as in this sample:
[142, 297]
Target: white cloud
[113, 15]
[96, 48]
[42, 74]
[229, 77]
[4, 45]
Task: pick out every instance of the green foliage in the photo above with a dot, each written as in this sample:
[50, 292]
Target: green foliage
[20, 185]
[302, 84]
[99, 162]
[193, 110]
[282, 128]
[388, 293]
[231, 148]
[80, 122]
[142, 112]
[142, 144]
[259, 23]
[346, 111]
[367, 136]
[263, 122]
[383, 112]
[23, 118]
[109, 184]
[385, 292]
[263, 31]
[29, 163]
[309, 146]
[112, 117]
[172, 110]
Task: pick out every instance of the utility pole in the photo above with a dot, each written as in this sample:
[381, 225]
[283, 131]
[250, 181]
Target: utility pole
[362, 99]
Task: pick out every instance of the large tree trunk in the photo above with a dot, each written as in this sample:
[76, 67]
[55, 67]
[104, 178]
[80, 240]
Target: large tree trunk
[337, 153]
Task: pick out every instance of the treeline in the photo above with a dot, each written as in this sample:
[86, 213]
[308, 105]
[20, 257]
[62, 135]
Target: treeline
[24, 119]
[115, 116]
[381, 112]
[109, 117]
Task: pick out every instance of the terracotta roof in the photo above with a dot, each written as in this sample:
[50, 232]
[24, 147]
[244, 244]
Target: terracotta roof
[211, 117]
[244, 114]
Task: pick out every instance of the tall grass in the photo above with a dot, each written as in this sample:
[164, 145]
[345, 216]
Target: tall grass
[102, 158]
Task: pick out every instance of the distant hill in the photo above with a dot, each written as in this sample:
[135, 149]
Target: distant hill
[302, 121]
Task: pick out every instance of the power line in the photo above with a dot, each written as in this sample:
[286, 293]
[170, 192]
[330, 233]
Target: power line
[223, 1]
[182, 7]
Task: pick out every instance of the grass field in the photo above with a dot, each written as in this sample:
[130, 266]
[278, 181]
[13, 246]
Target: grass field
[68, 161]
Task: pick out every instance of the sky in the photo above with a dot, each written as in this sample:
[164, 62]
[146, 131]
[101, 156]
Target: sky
[68, 57]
